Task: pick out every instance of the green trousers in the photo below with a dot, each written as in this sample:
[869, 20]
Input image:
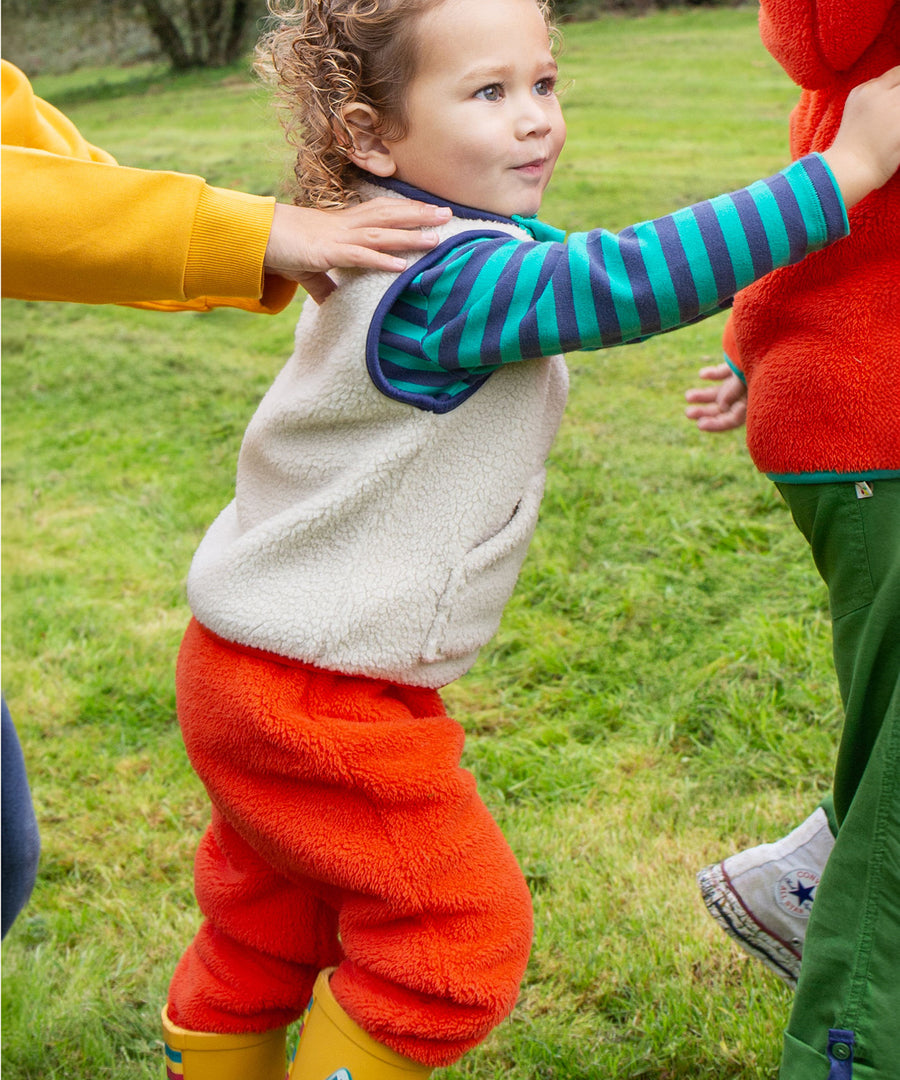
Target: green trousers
[845, 1023]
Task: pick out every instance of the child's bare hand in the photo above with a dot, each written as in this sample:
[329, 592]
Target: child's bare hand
[718, 408]
[305, 244]
[865, 153]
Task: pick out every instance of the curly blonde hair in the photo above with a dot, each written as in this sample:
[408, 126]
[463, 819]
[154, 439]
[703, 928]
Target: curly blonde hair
[322, 55]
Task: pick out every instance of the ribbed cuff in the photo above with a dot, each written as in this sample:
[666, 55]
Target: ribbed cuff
[228, 244]
[834, 213]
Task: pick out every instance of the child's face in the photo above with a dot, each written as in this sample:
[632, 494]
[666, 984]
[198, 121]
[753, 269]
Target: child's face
[485, 126]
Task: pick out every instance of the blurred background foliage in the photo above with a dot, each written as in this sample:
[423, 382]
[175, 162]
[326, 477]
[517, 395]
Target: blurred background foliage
[58, 36]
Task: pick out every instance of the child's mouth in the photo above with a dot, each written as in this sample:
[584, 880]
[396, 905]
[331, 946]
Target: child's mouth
[531, 168]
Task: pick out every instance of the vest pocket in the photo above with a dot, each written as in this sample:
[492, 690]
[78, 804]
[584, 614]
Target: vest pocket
[469, 609]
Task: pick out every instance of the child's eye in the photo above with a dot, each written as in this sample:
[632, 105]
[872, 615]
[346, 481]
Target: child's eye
[544, 87]
[494, 92]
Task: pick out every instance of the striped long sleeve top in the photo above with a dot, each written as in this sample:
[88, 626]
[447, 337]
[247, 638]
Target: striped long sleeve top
[482, 299]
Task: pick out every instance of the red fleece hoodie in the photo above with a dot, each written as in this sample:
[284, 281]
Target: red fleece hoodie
[819, 342]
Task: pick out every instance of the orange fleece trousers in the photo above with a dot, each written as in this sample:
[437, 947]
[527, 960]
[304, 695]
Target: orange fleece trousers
[343, 832]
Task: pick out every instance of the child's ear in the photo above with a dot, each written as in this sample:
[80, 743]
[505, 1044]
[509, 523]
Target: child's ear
[367, 150]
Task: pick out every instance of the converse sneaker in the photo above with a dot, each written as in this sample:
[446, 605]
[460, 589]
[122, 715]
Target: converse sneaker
[762, 897]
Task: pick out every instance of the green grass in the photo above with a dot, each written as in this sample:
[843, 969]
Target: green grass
[660, 691]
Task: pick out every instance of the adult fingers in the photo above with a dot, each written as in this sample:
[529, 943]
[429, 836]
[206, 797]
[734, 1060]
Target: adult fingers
[399, 239]
[318, 285]
[394, 214]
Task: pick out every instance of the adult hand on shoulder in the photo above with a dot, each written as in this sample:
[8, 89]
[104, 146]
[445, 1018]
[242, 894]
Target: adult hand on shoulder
[305, 244]
[718, 408]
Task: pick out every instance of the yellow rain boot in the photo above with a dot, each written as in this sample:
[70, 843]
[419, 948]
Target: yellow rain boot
[198, 1055]
[333, 1047]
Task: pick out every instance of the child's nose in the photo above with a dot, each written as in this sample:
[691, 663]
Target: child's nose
[532, 120]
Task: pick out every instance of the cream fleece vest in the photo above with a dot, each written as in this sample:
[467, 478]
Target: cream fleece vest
[368, 536]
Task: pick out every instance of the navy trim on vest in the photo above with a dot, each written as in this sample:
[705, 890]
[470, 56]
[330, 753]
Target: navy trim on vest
[468, 213]
[426, 402]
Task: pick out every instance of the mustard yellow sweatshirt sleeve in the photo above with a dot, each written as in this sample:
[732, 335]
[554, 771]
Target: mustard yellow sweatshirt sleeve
[79, 227]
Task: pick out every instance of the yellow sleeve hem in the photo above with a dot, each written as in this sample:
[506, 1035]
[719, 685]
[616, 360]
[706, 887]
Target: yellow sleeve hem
[228, 244]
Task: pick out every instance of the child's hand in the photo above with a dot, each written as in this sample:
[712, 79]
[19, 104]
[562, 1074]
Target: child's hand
[718, 408]
[865, 153]
[305, 244]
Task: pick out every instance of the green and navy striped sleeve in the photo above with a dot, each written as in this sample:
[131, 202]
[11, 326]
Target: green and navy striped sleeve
[482, 298]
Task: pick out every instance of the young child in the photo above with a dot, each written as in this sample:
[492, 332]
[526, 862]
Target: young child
[816, 345]
[387, 489]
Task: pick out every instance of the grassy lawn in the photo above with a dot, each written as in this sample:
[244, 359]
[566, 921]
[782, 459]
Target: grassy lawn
[660, 692]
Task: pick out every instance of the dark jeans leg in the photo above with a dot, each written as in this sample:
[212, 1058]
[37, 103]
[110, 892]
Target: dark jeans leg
[18, 828]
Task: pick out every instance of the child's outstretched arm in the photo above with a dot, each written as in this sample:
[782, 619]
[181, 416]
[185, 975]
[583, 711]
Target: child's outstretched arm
[489, 299]
[864, 156]
[865, 153]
